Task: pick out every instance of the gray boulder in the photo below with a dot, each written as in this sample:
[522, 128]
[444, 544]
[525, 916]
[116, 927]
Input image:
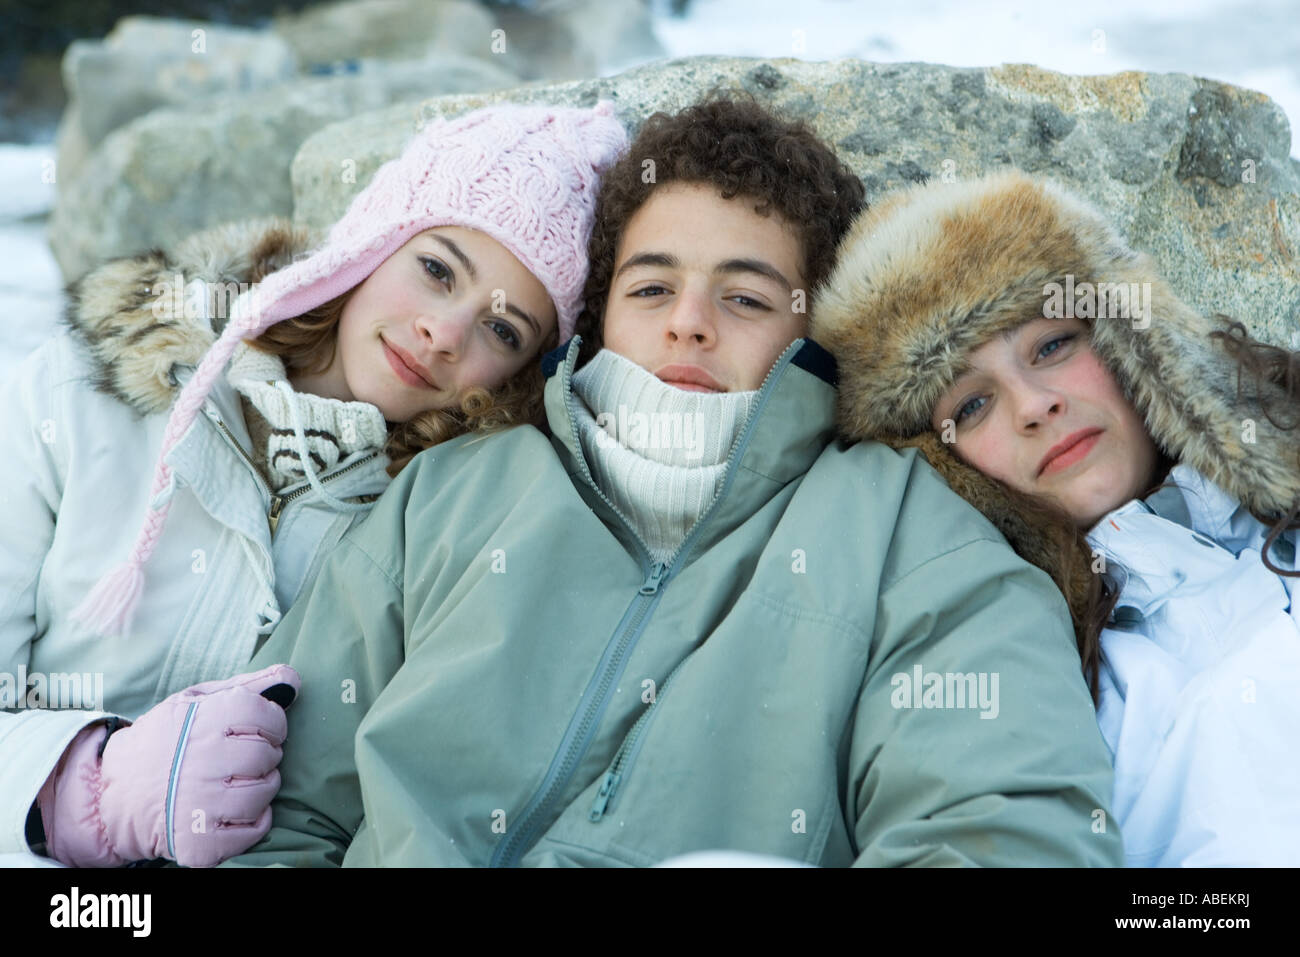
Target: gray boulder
[145, 63]
[387, 30]
[547, 40]
[177, 170]
[1193, 171]
[573, 39]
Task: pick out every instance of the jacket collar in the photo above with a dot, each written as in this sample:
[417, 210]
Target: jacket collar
[792, 422]
[205, 460]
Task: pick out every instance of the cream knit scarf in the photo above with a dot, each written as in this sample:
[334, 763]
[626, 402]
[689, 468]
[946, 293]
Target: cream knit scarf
[333, 429]
[658, 452]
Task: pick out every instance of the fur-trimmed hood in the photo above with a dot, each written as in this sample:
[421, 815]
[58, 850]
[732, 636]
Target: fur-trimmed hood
[124, 310]
[933, 272]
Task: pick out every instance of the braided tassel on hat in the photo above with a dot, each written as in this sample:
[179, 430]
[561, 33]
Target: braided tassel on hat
[111, 604]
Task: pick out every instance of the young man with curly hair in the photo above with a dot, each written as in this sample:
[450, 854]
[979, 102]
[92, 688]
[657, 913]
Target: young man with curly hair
[686, 619]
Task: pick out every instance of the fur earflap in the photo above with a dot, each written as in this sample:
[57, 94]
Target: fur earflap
[142, 315]
[935, 271]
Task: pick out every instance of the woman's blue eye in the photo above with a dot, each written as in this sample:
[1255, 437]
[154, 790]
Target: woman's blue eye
[506, 333]
[648, 291]
[437, 269]
[966, 409]
[748, 302]
[1058, 341]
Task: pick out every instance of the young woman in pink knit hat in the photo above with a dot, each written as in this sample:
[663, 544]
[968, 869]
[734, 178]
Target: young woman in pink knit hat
[420, 318]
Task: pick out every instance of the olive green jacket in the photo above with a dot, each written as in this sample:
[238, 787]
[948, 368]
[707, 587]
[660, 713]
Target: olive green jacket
[843, 663]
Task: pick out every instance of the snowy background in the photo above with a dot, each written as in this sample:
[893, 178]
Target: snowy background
[1252, 43]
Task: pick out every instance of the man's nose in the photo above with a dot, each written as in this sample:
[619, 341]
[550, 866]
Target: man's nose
[693, 318]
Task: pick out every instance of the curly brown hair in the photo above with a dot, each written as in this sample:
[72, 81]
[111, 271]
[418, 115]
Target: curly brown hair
[741, 148]
[306, 343]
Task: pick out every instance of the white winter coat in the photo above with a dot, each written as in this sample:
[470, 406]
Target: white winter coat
[71, 503]
[1200, 681]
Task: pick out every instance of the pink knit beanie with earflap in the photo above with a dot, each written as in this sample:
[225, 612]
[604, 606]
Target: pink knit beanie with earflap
[525, 175]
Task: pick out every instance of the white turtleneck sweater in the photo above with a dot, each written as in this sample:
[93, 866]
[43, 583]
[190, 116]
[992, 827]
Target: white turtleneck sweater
[658, 452]
[333, 429]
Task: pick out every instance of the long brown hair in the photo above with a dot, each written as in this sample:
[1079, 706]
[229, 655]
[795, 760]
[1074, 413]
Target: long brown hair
[1047, 536]
[307, 344]
[1281, 367]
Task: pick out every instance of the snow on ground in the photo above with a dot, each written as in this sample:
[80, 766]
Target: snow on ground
[30, 282]
[24, 171]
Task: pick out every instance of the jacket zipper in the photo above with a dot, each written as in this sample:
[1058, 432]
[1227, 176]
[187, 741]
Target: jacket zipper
[524, 835]
[278, 501]
[621, 765]
[519, 839]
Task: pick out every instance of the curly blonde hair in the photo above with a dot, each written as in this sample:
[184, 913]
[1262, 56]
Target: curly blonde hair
[306, 343]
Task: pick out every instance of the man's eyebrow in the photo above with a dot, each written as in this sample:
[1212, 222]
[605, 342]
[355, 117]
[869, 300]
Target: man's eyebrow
[516, 311]
[667, 260]
[456, 251]
[754, 266]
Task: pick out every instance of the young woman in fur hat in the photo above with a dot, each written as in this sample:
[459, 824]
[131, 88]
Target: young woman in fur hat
[420, 318]
[1139, 453]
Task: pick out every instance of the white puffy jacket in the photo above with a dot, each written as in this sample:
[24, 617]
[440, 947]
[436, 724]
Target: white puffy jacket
[1200, 681]
[71, 503]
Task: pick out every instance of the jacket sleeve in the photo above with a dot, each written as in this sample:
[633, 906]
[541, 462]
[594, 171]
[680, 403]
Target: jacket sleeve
[34, 431]
[346, 639]
[1016, 774]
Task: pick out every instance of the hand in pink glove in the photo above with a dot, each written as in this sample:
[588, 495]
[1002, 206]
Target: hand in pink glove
[192, 780]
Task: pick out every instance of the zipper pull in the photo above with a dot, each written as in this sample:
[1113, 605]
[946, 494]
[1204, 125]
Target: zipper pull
[651, 584]
[273, 516]
[607, 789]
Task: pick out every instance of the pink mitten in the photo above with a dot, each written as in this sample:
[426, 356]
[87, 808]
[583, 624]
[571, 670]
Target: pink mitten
[192, 780]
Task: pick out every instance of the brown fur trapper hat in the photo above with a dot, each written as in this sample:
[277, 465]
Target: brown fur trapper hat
[933, 272]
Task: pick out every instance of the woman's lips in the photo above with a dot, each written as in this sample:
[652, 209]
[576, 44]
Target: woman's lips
[405, 367]
[1075, 453]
